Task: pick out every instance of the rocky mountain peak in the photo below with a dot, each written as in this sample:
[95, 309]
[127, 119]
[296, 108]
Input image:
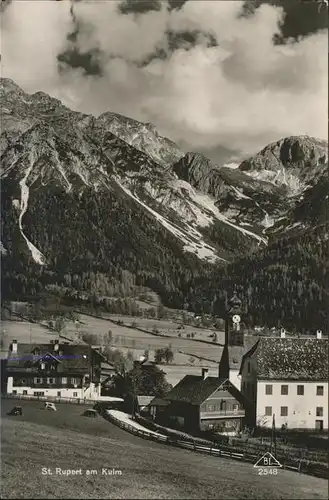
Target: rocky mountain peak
[142, 136]
[294, 161]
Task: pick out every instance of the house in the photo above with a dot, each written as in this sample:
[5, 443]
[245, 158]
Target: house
[288, 378]
[236, 344]
[202, 403]
[158, 410]
[142, 403]
[62, 370]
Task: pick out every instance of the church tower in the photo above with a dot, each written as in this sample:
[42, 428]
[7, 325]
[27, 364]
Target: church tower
[233, 334]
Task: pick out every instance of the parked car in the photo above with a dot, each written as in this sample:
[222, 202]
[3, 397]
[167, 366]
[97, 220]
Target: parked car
[50, 406]
[90, 413]
[17, 410]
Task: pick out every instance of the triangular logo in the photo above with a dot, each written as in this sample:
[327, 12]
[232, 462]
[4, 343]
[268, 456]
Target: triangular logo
[267, 460]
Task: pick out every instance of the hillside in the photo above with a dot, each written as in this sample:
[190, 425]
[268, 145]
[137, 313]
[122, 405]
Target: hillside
[86, 200]
[148, 469]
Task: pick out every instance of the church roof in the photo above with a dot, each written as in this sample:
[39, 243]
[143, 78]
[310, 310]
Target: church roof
[236, 352]
[291, 358]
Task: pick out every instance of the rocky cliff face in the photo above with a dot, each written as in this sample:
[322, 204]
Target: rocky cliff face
[294, 162]
[142, 136]
[108, 193]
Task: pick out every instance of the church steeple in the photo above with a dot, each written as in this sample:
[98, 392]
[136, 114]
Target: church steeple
[233, 334]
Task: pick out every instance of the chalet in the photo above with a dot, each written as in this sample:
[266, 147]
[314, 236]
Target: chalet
[288, 378]
[202, 403]
[62, 370]
[142, 403]
[236, 344]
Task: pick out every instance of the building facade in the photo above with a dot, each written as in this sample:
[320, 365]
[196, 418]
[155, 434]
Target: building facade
[288, 378]
[201, 403]
[55, 370]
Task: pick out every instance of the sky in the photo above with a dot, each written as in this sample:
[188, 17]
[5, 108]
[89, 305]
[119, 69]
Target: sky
[213, 76]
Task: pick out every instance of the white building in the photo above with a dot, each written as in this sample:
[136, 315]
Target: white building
[56, 370]
[288, 378]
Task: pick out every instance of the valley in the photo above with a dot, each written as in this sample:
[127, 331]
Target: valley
[86, 199]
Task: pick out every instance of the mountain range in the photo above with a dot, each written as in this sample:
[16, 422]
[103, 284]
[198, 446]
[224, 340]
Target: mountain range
[85, 199]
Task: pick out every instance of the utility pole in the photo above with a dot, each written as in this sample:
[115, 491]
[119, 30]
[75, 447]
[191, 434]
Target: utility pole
[273, 435]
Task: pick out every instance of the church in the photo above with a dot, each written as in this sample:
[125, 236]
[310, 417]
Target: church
[236, 344]
[214, 404]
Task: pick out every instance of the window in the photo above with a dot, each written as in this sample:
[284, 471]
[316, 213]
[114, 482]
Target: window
[319, 390]
[51, 381]
[269, 389]
[223, 405]
[75, 394]
[64, 380]
[14, 392]
[284, 411]
[24, 393]
[59, 394]
[38, 381]
[300, 390]
[284, 390]
[319, 411]
[211, 407]
[268, 411]
[38, 393]
[319, 425]
[43, 366]
[235, 408]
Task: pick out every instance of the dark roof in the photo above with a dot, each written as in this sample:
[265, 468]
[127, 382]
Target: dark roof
[292, 358]
[195, 390]
[71, 357]
[148, 363]
[237, 352]
[159, 402]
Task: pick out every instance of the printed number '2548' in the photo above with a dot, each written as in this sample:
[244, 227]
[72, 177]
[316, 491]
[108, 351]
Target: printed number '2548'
[266, 472]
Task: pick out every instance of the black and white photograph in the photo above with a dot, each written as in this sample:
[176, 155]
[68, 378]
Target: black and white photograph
[164, 249]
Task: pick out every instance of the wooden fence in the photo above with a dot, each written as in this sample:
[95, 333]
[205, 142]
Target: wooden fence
[301, 466]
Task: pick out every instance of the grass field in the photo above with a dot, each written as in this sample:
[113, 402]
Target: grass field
[67, 440]
[129, 339]
[140, 340]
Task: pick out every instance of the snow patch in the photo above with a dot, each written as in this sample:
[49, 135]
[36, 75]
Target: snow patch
[36, 254]
[232, 165]
[278, 178]
[208, 202]
[200, 248]
[240, 195]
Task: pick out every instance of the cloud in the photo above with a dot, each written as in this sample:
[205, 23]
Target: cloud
[239, 93]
